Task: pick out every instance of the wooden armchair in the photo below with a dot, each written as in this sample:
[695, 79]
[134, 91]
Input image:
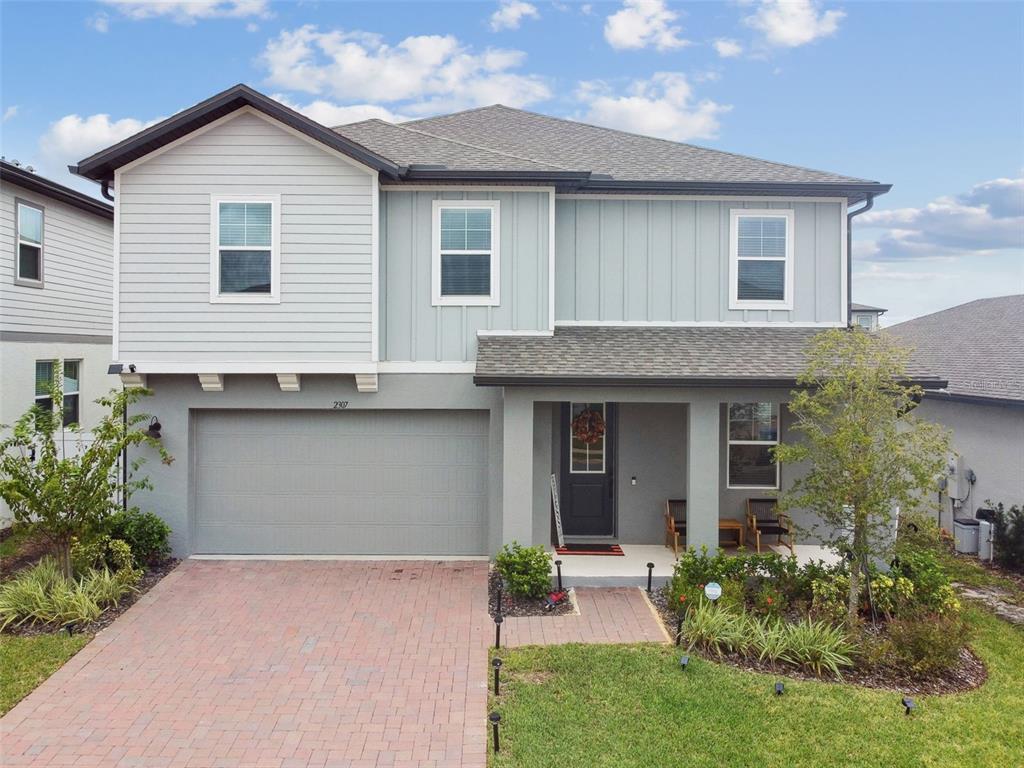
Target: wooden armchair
[675, 523]
[763, 517]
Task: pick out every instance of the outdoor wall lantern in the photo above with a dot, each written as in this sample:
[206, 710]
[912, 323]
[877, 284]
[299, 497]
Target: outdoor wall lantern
[154, 428]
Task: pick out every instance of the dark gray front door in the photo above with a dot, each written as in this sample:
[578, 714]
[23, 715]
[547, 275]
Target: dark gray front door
[588, 492]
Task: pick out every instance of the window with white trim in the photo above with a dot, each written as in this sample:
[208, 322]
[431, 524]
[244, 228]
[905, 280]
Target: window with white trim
[29, 245]
[761, 259]
[71, 384]
[753, 432]
[245, 264]
[465, 255]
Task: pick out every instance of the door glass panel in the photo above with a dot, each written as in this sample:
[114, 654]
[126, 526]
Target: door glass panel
[587, 434]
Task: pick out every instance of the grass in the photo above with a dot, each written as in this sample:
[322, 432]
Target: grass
[968, 571]
[26, 661]
[578, 706]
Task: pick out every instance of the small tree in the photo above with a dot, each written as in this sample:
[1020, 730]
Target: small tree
[867, 453]
[64, 495]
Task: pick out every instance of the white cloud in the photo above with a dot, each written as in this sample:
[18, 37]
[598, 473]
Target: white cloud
[986, 219]
[727, 49]
[662, 106]
[792, 23]
[100, 23]
[191, 11]
[252, 26]
[586, 9]
[73, 138]
[330, 114]
[10, 113]
[511, 13]
[431, 72]
[643, 23]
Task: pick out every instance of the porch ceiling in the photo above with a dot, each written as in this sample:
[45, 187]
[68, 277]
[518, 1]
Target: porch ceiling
[652, 356]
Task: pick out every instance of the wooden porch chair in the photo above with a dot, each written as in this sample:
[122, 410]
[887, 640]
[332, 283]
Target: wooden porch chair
[763, 517]
[675, 523]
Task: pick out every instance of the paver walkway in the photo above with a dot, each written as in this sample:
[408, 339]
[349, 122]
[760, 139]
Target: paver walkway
[607, 615]
[278, 664]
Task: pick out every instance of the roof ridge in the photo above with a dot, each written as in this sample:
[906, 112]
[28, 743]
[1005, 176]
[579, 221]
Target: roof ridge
[492, 150]
[481, 108]
[651, 138]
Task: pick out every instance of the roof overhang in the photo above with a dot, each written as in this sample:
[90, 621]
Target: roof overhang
[23, 178]
[853, 192]
[926, 383]
[101, 166]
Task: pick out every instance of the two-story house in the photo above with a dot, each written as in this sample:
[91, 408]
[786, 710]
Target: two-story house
[387, 338]
[55, 297]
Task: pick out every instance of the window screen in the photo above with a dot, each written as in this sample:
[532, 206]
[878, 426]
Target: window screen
[246, 233]
[466, 251]
[30, 243]
[761, 258]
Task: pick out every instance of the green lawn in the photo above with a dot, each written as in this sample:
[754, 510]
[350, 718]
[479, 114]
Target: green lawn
[25, 662]
[623, 706]
[966, 570]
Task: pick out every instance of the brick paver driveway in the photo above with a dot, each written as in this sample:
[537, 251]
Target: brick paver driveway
[275, 663]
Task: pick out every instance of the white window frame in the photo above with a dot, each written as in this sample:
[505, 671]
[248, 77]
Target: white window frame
[777, 413]
[274, 297]
[735, 215]
[604, 440]
[78, 391]
[861, 317]
[29, 282]
[493, 298]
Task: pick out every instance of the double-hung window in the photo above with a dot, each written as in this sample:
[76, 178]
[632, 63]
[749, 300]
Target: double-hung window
[29, 244]
[466, 262]
[761, 259]
[45, 381]
[753, 432]
[245, 258]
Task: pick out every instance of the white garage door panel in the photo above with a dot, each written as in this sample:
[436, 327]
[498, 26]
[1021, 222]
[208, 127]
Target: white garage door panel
[348, 482]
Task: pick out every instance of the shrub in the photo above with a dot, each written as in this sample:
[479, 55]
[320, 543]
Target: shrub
[525, 570]
[42, 594]
[147, 534]
[713, 629]
[892, 594]
[817, 646]
[1009, 536]
[932, 591]
[768, 638]
[101, 552]
[829, 597]
[925, 644]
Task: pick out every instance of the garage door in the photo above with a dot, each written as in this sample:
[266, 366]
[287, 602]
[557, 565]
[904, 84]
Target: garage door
[341, 482]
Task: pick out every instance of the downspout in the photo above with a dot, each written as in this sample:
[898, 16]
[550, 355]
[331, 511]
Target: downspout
[105, 190]
[869, 203]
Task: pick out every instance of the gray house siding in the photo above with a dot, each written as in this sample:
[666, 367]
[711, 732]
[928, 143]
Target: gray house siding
[412, 329]
[77, 267]
[326, 251]
[668, 261]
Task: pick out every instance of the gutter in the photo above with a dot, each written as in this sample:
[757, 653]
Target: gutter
[528, 380]
[869, 203]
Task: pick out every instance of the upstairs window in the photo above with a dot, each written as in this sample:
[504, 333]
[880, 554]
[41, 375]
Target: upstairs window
[761, 259]
[245, 261]
[29, 239]
[465, 263]
[753, 432]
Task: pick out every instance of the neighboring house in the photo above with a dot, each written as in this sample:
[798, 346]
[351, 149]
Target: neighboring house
[384, 339]
[865, 317]
[56, 278]
[979, 348]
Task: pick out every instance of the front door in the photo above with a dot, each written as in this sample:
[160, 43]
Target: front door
[588, 489]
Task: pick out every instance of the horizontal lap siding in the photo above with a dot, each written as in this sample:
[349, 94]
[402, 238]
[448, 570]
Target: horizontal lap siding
[668, 261]
[78, 256]
[326, 251]
[413, 329]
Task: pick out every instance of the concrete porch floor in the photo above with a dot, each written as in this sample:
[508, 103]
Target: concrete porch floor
[631, 568]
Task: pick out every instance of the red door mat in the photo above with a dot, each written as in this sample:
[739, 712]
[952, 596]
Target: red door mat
[590, 549]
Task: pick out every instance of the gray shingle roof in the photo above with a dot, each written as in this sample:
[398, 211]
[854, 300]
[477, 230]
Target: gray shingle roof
[855, 307]
[621, 155]
[977, 346]
[650, 355]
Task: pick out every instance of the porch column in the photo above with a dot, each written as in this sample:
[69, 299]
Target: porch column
[702, 475]
[517, 469]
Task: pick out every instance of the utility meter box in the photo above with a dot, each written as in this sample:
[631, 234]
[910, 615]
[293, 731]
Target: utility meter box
[965, 535]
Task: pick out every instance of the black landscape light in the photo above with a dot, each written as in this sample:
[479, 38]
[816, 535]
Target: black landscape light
[679, 631]
[497, 631]
[496, 663]
[908, 704]
[683, 662]
[558, 568]
[495, 718]
[650, 573]
[154, 428]
[779, 688]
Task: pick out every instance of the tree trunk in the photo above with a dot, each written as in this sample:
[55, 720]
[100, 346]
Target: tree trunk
[852, 601]
[62, 551]
[859, 548]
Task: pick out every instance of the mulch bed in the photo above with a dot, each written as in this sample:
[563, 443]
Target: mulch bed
[967, 675]
[29, 552]
[149, 580]
[521, 606]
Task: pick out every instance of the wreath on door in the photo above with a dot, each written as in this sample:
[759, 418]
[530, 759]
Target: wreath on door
[588, 426]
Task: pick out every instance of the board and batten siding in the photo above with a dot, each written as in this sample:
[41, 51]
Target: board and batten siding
[668, 261]
[324, 314]
[78, 258]
[412, 329]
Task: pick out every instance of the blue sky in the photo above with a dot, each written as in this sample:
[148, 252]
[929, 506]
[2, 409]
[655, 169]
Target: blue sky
[926, 96]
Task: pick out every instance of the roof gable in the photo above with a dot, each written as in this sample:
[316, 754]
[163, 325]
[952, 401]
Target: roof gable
[14, 174]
